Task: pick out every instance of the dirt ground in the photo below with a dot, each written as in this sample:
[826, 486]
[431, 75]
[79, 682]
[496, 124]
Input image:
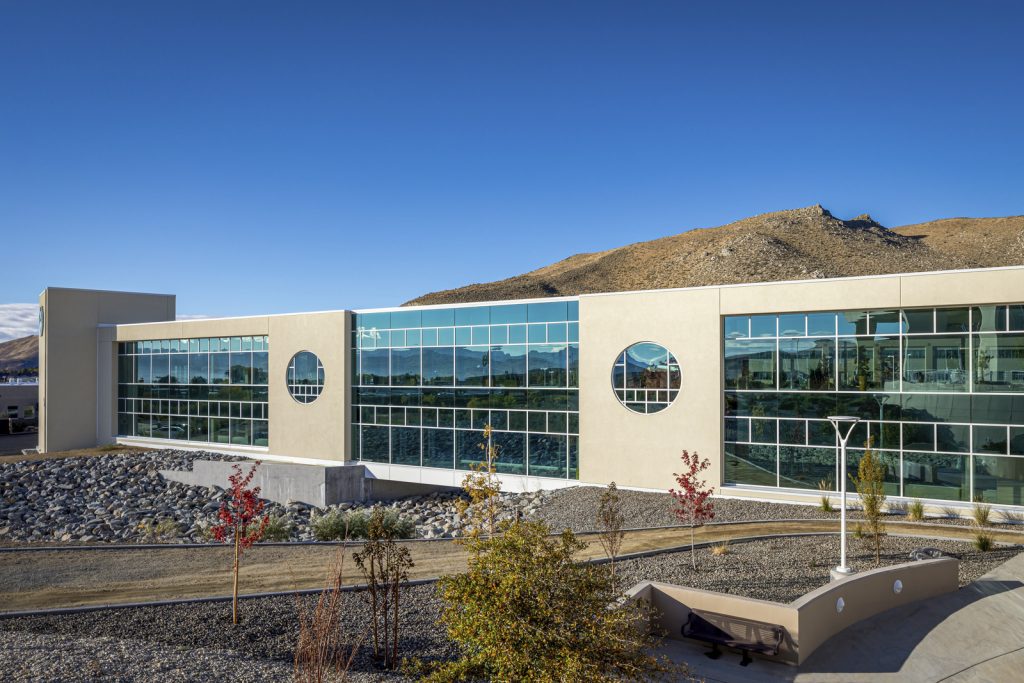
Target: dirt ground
[68, 578]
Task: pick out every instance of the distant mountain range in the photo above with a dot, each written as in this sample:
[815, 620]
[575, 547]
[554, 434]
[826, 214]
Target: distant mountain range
[19, 354]
[786, 245]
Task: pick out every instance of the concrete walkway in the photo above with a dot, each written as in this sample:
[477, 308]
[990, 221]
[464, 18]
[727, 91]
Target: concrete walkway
[974, 635]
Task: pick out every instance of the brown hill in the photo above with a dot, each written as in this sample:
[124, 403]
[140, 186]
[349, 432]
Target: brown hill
[19, 354]
[785, 245]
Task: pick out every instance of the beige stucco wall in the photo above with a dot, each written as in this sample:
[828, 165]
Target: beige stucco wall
[317, 430]
[617, 444]
[68, 396]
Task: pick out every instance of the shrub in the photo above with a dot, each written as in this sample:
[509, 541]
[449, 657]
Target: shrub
[610, 521]
[1012, 516]
[339, 525]
[526, 611]
[858, 531]
[915, 511]
[329, 526]
[160, 531]
[322, 652]
[983, 541]
[870, 484]
[826, 502]
[981, 514]
[385, 566]
[897, 507]
[279, 528]
[950, 512]
[720, 548]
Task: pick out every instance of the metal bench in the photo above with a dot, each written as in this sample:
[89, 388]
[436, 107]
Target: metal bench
[745, 635]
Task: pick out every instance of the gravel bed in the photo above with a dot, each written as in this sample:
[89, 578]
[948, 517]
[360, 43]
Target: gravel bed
[188, 638]
[576, 508]
[783, 569]
[195, 641]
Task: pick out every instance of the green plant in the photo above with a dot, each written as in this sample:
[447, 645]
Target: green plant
[1012, 517]
[526, 611]
[329, 526]
[482, 486]
[279, 528]
[981, 514]
[826, 501]
[385, 566]
[983, 541]
[897, 507]
[610, 521]
[915, 511]
[159, 531]
[858, 531]
[870, 483]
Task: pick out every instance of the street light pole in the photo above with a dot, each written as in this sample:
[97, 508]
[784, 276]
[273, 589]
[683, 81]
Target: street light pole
[842, 569]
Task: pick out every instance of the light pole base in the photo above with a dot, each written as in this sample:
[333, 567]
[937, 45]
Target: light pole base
[840, 573]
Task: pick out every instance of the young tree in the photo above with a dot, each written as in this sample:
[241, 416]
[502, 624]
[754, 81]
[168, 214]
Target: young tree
[609, 522]
[693, 504]
[242, 522]
[323, 652]
[482, 487]
[385, 566]
[526, 611]
[870, 485]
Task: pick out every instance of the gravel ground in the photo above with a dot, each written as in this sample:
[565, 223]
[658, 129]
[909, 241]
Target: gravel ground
[196, 641]
[576, 508]
[784, 569]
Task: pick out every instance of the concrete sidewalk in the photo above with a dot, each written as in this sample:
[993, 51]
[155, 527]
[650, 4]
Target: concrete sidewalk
[973, 635]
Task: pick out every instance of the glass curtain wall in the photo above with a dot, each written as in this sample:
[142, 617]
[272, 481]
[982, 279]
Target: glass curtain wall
[203, 389]
[940, 394]
[427, 381]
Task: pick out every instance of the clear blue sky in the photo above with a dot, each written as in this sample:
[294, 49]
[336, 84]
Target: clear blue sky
[271, 157]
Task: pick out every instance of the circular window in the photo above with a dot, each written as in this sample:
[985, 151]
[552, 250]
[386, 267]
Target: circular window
[646, 377]
[305, 377]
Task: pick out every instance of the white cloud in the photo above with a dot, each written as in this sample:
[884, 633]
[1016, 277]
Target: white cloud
[18, 320]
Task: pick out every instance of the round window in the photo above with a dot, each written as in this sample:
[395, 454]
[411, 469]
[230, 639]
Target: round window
[305, 377]
[646, 377]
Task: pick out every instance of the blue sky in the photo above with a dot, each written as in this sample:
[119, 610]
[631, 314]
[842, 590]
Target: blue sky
[270, 157]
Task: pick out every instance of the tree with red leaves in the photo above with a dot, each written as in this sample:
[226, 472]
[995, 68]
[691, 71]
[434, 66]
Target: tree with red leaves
[693, 497]
[242, 521]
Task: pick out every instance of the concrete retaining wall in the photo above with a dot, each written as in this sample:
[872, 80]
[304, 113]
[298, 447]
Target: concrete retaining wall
[311, 484]
[814, 618]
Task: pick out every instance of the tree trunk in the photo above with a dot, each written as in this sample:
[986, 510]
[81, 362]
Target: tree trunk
[693, 553]
[234, 589]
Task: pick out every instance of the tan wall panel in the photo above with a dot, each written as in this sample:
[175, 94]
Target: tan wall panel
[812, 295]
[182, 329]
[319, 429]
[68, 358]
[617, 444]
[959, 289]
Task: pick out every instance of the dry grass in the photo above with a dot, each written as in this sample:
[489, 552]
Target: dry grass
[720, 548]
[785, 245]
[322, 652]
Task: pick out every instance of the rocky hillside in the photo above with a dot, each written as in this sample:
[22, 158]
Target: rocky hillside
[19, 354]
[785, 245]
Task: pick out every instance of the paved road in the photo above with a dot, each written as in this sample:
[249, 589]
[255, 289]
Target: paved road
[975, 635]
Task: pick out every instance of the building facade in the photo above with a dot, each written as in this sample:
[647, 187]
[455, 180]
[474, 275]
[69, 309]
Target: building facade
[588, 389]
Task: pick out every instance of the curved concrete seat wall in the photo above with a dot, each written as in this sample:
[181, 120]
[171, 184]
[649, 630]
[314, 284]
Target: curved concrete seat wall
[813, 618]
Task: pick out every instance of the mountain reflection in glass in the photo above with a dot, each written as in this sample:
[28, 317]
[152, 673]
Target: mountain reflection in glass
[646, 377]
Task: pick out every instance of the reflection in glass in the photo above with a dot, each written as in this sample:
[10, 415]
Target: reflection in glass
[305, 377]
